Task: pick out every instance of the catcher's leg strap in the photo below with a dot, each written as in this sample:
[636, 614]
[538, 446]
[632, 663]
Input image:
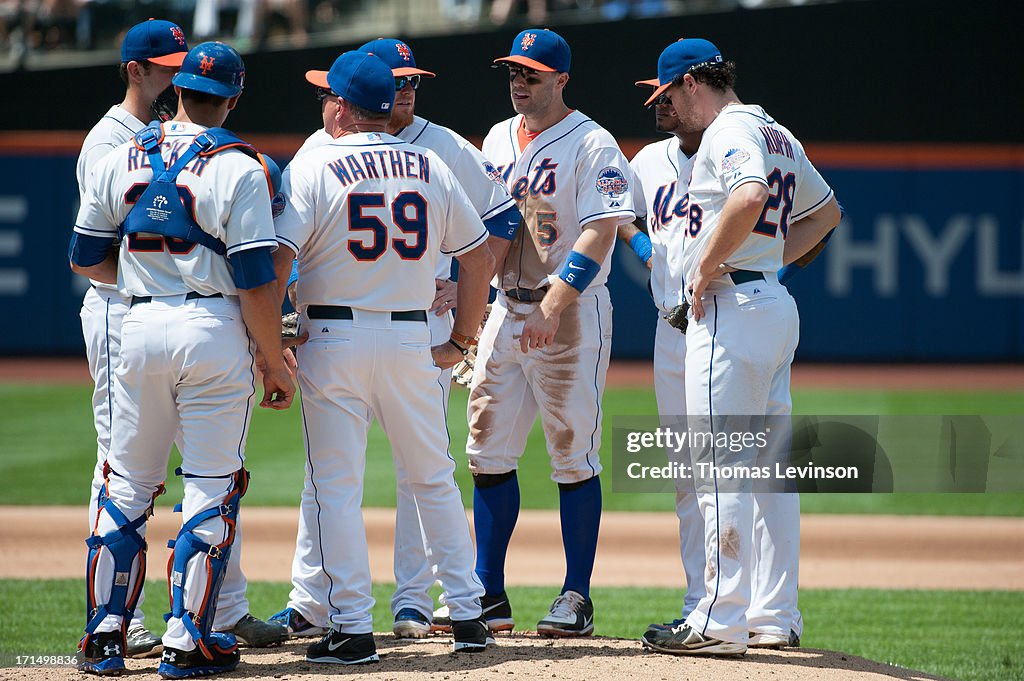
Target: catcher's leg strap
[188, 544]
[125, 544]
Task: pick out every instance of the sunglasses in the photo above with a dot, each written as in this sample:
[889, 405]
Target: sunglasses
[323, 93]
[402, 81]
[662, 100]
[529, 75]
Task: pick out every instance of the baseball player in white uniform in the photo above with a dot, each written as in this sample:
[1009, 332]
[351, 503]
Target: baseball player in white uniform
[546, 344]
[414, 574]
[187, 198]
[368, 216]
[661, 170]
[151, 54]
[755, 202]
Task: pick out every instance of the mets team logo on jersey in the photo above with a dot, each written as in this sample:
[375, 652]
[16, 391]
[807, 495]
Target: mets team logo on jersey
[612, 184]
[493, 173]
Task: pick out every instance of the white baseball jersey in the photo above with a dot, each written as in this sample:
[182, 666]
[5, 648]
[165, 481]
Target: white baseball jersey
[478, 176]
[314, 141]
[744, 144]
[662, 170]
[566, 177]
[366, 202]
[233, 205]
[114, 129]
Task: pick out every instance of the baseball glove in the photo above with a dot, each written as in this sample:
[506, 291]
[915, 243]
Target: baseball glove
[677, 317]
[290, 325]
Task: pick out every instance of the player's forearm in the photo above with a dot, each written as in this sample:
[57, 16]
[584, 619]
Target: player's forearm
[499, 249]
[742, 211]
[476, 268]
[595, 242]
[105, 271]
[261, 312]
[806, 233]
[628, 230]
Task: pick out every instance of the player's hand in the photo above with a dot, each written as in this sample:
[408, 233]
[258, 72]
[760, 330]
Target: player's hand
[446, 355]
[700, 284]
[295, 341]
[278, 388]
[650, 263]
[444, 296]
[539, 330]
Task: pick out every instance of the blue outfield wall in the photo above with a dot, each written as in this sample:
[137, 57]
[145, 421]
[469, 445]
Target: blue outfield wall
[927, 266]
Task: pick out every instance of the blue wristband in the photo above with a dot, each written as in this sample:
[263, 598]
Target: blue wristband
[641, 245]
[579, 270]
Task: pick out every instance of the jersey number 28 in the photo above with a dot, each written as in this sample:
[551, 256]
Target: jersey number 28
[408, 214]
[780, 198]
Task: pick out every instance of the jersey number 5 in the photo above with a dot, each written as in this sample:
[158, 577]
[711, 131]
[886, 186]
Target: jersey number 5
[408, 214]
[782, 190]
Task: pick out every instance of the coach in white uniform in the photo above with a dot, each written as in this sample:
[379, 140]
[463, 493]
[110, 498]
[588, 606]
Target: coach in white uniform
[368, 216]
[411, 604]
[546, 344]
[186, 361]
[755, 202]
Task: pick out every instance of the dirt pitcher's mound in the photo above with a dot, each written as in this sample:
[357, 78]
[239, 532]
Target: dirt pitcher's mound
[530, 657]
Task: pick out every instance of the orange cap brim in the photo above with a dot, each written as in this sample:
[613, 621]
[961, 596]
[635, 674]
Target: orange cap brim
[410, 71]
[657, 93]
[525, 61]
[318, 78]
[174, 59]
[653, 82]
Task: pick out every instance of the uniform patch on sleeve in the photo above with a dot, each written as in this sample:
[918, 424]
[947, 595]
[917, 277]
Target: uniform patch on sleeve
[611, 183]
[492, 172]
[277, 205]
[733, 159]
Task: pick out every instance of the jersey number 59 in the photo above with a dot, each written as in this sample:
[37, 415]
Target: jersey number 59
[408, 214]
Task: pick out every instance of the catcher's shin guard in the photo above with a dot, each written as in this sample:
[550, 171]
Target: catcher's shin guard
[186, 546]
[125, 545]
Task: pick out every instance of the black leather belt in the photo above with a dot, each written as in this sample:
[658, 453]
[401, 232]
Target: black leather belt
[527, 295]
[744, 276]
[345, 312]
[191, 295]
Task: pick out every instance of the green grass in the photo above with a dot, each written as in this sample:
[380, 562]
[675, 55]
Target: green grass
[967, 635]
[49, 451]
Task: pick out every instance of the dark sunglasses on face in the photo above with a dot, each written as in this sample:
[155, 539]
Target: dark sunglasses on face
[529, 75]
[663, 100]
[402, 81]
[323, 93]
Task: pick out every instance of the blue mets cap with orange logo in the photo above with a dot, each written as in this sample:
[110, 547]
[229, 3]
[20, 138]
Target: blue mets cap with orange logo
[680, 58]
[358, 77]
[156, 40]
[397, 55]
[540, 49]
[213, 68]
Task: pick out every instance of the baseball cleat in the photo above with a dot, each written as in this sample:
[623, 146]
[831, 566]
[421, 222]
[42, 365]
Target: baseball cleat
[571, 614]
[142, 642]
[411, 623]
[186, 664]
[471, 636]
[775, 641]
[338, 648]
[497, 612]
[441, 622]
[102, 655]
[297, 625]
[255, 633]
[685, 641]
[665, 626]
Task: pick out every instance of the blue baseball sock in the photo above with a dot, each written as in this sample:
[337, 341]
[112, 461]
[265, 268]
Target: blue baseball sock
[495, 512]
[580, 510]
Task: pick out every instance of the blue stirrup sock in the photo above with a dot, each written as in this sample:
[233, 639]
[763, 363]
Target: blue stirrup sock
[580, 511]
[495, 512]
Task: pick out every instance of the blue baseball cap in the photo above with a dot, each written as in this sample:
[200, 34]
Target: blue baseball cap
[158, 41]
[681, 57]
[397, 55]
[214, 68]
[358, 77]
[540, 49]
